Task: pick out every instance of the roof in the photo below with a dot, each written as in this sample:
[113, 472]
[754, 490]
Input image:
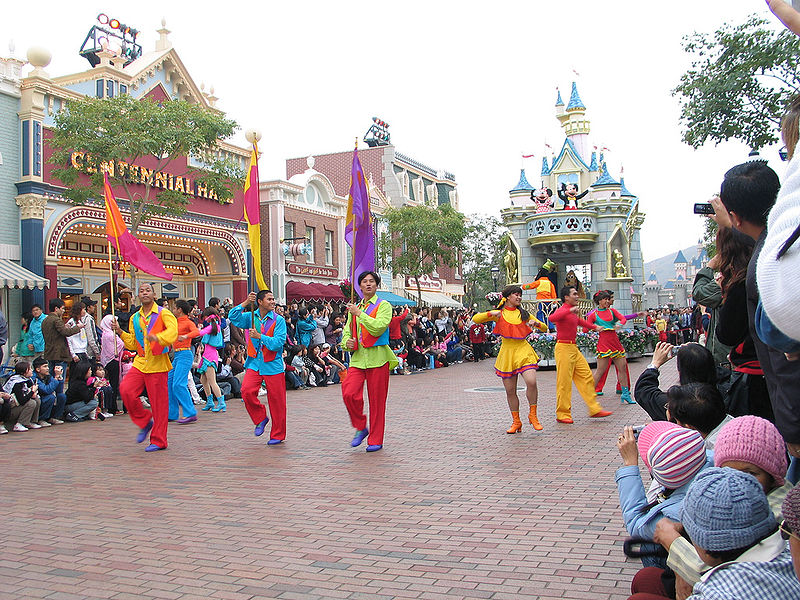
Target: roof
[680, 258]
[680, 278]
[670, 285]
[625, 191]
[605, 178]
[545, 167]
[652, 277]
[559, 101]
[523, 184]
[13, 275]
[437, 300]
[575, 102]
[569, 146]
[593, 163]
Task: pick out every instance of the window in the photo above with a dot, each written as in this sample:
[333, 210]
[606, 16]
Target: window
[310, 242]
[288, 232]
[110, 88]
[123, 89]
[100, 87]
[328, 247]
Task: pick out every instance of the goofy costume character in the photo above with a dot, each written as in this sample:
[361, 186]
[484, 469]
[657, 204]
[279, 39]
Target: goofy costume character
[264, 365]
[149, 372]
[370, 361]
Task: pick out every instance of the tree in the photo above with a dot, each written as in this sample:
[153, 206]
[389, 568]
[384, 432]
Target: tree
[482, 250]
[739, 84]
[117, 134]
[422, 238]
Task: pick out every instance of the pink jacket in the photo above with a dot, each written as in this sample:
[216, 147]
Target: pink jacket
[107, 353]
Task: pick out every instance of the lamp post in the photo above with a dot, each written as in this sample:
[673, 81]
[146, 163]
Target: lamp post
[495, 275]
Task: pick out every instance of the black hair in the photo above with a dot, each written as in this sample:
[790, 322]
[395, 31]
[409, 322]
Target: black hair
[39, 306]
[184, 305]
[55, 303]
[750, 190]
[601, 295]
[28, 318]
[262, 294]
[209, 311]
[698, 405]
[375, 276]
[22, 367]
[38, 362]
[76, 310]
[695, 364]
[192, 303]
[303, 313]
[79, 370]
[565, 291]
[515, 289]
[731, 555]
[214, 301]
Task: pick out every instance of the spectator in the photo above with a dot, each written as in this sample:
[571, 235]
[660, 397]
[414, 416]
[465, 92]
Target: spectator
[293, 381]
[102, 392]
[23, 350]
[321, 319]
[395, 329]
[306, 325]
[790, 527]
[51, 392]
[79, 342]
[477, 337]
[35, 338]
[455, 353]
[318, 376]
[81, 401]
[3, 333]
[111, 351]
[92, 338]
[24, 399]
[296, 359]
[55, 333]
[695, 364]
[698, 406]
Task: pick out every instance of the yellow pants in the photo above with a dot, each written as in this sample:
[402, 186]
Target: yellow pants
[572, 366]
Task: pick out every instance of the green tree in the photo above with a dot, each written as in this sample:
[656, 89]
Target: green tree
[126, 130]
[739, 83]
[423, 238]
[482, 250]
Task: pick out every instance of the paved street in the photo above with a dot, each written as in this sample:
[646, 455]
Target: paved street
[451, 508]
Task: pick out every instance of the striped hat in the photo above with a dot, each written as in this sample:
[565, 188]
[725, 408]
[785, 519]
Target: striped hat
[675, 455]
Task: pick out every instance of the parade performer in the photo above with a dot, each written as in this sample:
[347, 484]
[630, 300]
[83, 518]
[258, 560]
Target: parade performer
[609, 348]
[544, 199]
[571, 366]
[545, 287]
[366, 337]
[516, 356]
[265, 334]
[569, 195]
[212, 342]
[598, 388]
[154, 329]
[177, 380]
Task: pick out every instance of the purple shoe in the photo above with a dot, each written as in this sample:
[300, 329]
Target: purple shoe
[274, 442]
[260, 427]
[153, 448]
[140, 437]
[360, 435]
[374, 447]
[185, 420]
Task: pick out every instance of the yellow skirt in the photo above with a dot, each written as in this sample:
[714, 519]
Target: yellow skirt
[515, 357]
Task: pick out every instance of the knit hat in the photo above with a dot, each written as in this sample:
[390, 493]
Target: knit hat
[726, 509]
[752, 440]
[646, 436]
[791, 509]
[675, 455]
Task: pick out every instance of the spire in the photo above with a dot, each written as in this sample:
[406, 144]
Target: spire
[559, 101]
[545, 167]
[593, 164]
[605, 178]
[624, 191]
[680, 258]
[523, 184]
[575, 102]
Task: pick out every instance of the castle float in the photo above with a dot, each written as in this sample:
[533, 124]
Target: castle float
[580, 218]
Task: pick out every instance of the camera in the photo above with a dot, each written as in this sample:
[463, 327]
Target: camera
[637, 429]
[703, 208]
[673, 352]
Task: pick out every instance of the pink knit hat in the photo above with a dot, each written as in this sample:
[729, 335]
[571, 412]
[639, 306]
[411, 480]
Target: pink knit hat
[752, 440]
[673, 454]
[650, 433]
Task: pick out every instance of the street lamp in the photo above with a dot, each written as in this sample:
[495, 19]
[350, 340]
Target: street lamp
[495, 275]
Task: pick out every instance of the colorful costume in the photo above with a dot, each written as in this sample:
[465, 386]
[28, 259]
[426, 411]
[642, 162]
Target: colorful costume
[264, 365]
[149, 372]
[516, 354]
[608, 344]
[371, 361]
[212, 342]
[177, 380]
[572, 366]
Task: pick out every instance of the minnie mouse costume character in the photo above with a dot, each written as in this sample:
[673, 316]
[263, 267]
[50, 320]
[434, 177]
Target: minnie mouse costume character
[543, 198]
[569, 194]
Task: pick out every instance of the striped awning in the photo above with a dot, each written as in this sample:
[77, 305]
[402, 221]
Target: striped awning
[13, 275]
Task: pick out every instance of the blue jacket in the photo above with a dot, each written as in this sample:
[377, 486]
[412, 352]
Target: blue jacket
[244, 320]
[305, 327]
[35, 336]
[52, 387]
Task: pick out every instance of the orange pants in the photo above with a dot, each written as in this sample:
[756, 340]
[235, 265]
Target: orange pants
[377, 380]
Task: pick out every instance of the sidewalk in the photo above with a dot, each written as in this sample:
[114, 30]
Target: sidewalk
[451, 508]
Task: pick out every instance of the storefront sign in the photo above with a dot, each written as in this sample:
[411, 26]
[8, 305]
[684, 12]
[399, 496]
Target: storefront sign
[143, 176]
[312, 270]
[426, 282]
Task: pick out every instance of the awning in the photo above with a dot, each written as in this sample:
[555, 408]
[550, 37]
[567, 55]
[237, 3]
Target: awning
[296, 290]
[395, 300]
[328, 291]
[437, 300]
[13, 275]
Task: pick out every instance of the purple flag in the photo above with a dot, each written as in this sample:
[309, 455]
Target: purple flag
[358, 232]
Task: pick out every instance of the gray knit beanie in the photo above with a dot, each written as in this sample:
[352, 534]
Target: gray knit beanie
[726, 509]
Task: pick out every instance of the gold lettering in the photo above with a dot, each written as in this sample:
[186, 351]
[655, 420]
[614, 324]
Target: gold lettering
[122, 168]
[161, 180]
[170, 182]
[201, 190]
[133, 173]
[108, 167]
[146, 175]
[78, 160]
[212, 194]
[179, 184]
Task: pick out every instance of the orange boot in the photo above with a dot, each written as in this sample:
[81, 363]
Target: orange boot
[533, 419]
[516, 426]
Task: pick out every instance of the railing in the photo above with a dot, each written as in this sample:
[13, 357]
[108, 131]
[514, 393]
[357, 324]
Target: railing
[572, 222]
[636, 304]
[548, 307]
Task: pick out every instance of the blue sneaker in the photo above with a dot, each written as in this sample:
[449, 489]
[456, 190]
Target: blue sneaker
[374, 447]
[274, 442]
[360, 435]
[153, 448]
[142, 435]
[260, 427]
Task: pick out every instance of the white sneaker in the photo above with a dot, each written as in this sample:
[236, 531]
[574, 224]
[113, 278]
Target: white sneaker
[56, 422]
[20, 427]
[34, 426]
[107, 415]
[93, 416]
[44, 424]
[3, 430]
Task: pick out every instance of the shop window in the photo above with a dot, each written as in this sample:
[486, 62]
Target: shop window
[288, 232]
[328, 247]
[310, 241]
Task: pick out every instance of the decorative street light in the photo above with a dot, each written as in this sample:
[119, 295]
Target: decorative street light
[495, 275]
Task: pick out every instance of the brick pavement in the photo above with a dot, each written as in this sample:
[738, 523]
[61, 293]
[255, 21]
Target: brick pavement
[451, 508]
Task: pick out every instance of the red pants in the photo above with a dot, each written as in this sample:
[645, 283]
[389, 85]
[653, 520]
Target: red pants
[132, 385]
[276, 397]
[647, 585]
[602, 381]
[377, 380]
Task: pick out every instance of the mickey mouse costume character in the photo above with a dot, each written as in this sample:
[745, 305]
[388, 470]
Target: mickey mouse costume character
[543, 198]
[569, 194]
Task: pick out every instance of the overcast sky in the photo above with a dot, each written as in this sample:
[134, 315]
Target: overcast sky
[465, 86]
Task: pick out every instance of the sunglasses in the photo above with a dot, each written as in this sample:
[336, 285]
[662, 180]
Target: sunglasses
[786, 531]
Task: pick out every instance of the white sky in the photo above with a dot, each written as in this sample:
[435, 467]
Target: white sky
[465, 86]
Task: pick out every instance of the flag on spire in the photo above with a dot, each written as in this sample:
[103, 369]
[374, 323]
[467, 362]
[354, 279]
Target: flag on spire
[358, 232]
[252, 214]
[127, 246]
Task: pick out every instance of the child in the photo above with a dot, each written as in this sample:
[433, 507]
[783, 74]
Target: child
[102, 392]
